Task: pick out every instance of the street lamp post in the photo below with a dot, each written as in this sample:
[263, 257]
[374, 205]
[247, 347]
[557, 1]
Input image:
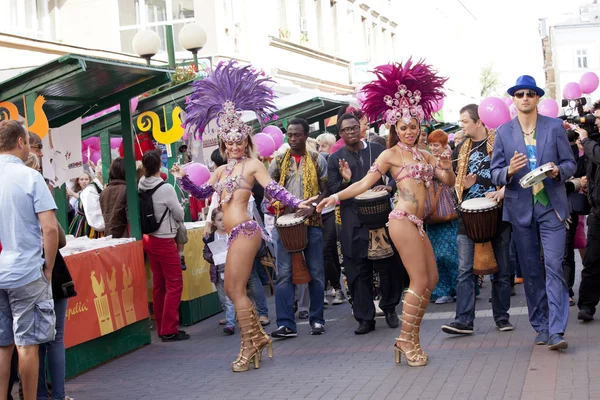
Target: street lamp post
[192, 37]
[146, 44]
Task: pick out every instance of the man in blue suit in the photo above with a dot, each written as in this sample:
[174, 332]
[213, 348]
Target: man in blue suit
[537, 214]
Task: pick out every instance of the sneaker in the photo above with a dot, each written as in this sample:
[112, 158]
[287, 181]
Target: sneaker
[444, 300]
[283, 332]
[456, 328]
[504, 326]
[585, 315]
[229, 330]
[264, 320]
[541, 338]
[557, 342]
[317, 329]
[339, 298]
[176, 337]
[182, 260]
[325, 301]
[303, 314]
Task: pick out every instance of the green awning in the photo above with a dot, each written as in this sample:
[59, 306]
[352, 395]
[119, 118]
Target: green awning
[74, 85]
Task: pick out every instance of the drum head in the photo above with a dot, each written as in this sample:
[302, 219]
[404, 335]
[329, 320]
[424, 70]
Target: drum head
[371, 194]
[289, 220]
[536, 176]
[481, 203]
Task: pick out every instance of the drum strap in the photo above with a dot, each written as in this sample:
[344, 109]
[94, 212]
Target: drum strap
[463, 162]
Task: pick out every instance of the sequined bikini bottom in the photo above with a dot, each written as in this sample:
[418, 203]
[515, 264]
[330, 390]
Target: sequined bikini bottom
[247, 228]
[399, 214]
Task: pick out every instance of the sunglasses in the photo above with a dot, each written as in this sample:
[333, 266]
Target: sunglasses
[529, 93]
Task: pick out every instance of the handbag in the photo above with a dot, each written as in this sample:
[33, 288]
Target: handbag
[181, 237]
[439, 206]
[578, 203]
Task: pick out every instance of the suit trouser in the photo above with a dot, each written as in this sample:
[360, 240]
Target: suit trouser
[331, 259]
[359, 273]
[569, 260]
[547, 299]
[589, 294]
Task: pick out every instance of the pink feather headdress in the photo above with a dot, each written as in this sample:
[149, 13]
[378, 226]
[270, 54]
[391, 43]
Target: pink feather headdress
[403, 92]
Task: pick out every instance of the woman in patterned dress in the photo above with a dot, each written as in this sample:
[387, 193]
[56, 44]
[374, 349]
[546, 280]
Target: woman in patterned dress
[443, 237]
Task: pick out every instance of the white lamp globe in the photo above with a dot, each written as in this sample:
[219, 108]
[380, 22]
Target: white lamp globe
[146, 43]
[192, 37]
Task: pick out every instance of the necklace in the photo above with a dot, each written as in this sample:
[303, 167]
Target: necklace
[232, 163]
[528, 133]
[417, 156]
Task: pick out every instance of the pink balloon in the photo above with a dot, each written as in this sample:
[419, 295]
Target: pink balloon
[275, 133]
[513, 111]
[93, 143]
[548, 107]
[571, 91]
[437, 105]
[508, 101]
[95, 156]
[265, 145]
[115, 142]
[588, 82]
[494, 112]
[84, 157]
[84, 146]
[337, 145]
[198, 173]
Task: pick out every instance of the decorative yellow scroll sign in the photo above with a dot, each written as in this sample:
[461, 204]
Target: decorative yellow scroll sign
[40, 126]
[149, 119]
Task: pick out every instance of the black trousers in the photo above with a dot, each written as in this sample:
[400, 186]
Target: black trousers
[569, 260]
[589, 295]
[331, 258]
[359, 273]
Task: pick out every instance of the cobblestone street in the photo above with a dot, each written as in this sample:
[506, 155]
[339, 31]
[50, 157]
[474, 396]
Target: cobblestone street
[340, 365]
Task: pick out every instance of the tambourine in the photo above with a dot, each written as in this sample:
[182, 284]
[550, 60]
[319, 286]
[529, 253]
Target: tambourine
[536, 176]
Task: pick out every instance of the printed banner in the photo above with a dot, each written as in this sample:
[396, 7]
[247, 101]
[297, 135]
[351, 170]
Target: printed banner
[62, 159]
[110, 284]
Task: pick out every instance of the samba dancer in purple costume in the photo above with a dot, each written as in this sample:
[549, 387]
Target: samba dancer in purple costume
[223, 95]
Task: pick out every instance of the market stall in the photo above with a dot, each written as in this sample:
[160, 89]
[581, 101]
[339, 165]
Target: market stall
[51, 96]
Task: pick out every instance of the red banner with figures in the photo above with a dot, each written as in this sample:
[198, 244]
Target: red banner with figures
[111, 291]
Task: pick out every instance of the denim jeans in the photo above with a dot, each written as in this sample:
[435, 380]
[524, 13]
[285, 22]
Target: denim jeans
[258, 292]
[466, 282]
[226, 303]
[55, 352]
[284, 288]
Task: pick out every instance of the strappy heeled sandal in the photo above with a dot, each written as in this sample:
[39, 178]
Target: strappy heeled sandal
[267, 341]
[414, 357]
[250, 348]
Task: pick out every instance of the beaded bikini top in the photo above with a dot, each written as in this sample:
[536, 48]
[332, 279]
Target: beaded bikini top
[421, 172]
[231, 183]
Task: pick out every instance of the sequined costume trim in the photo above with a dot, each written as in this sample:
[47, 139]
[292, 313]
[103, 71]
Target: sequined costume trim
[374, 168]
[248, 228]
[400, 214]
[200, 192]
[279, 193]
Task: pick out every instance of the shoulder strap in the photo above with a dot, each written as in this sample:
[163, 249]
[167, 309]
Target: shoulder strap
[155, 188]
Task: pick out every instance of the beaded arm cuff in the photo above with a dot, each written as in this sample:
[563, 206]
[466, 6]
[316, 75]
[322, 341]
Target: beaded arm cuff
[278, 192]
[199, 192]
[375, 168]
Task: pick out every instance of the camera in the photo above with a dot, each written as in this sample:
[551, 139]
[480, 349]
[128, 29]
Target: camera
[575, 114]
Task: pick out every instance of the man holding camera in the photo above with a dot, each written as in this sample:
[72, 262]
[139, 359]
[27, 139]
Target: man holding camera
[589, 296]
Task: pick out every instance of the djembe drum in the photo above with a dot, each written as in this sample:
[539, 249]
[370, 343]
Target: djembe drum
[481, 217]
[293, 233]
[373, 212]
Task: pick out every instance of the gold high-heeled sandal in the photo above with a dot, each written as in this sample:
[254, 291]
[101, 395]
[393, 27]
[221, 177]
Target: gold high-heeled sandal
[268, 343]
[421, 312]
[415, 357]
[248, 335]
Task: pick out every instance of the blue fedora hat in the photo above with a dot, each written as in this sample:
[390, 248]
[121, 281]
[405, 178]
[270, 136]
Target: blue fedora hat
[526, 82]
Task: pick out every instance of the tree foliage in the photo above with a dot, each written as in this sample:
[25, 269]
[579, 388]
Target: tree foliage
[489, 81]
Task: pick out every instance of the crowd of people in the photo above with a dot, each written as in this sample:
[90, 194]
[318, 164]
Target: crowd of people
[379, 218]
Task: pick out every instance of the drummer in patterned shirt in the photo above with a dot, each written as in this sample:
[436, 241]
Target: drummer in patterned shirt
[304, 174]
[473, 180]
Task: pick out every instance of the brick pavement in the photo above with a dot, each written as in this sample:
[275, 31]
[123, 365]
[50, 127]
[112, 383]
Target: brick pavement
[340, 365]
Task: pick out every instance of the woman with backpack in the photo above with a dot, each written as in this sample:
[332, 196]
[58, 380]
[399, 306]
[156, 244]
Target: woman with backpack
[161, 216]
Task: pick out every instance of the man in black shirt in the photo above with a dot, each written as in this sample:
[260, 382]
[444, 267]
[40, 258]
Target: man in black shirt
[345, 167]
[473, 180]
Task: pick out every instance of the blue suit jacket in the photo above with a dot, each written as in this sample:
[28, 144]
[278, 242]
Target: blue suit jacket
[552, 145]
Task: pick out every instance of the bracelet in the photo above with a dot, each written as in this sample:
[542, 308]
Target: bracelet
[336, 197]
[346, 181]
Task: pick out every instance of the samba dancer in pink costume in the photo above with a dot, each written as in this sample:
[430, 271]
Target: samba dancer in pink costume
[404, 95]
[223, 95]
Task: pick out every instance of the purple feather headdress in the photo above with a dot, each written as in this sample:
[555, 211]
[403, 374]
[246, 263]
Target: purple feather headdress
[403, 92]
[225, 94]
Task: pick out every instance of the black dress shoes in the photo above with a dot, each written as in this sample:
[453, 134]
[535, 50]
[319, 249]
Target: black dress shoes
[365, 327]
[391, 318]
